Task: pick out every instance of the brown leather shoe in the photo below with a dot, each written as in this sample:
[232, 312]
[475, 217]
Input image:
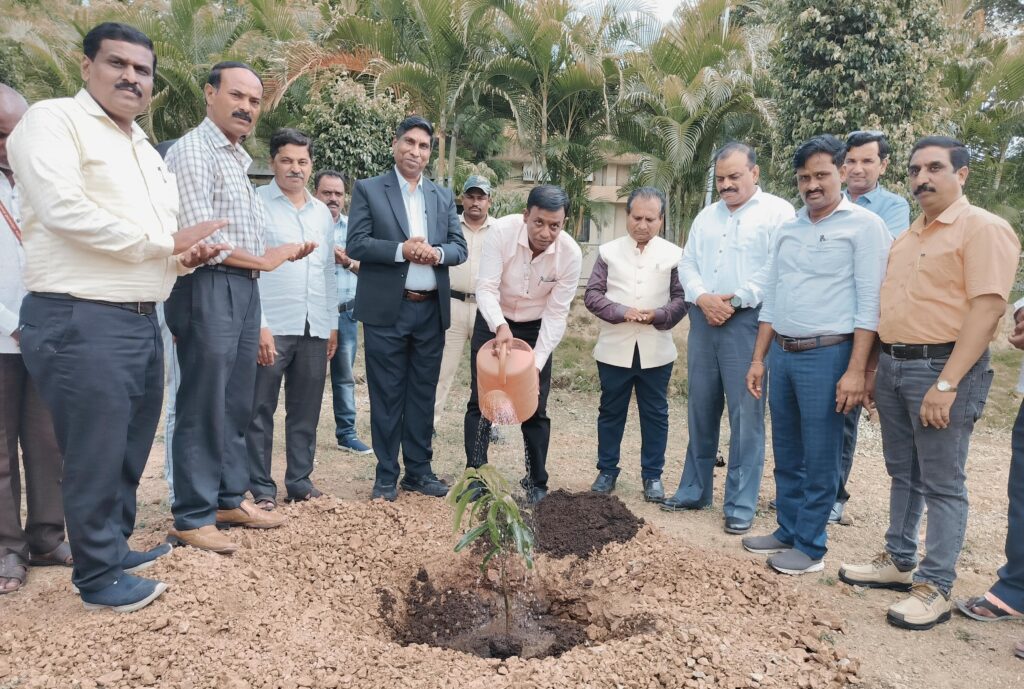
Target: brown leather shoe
[205, 538]
[250, 516]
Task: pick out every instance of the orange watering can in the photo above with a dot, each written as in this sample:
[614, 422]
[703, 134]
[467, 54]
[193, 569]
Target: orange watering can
[508, 384]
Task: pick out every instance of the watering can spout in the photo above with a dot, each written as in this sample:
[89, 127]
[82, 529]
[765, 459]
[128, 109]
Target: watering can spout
[508, 384]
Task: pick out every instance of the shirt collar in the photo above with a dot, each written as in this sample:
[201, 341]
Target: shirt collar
[277, 193]
[89, 104]
[946, 217]
[871, 196]
[487, 223]
[524, 241]
[403, 183]
[845, 206]
[749, 202]
[216, 137]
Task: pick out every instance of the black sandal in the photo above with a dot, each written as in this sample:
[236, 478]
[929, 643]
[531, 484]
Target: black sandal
[968, 605]
[313, 493]
[58, 557]
[13, 567]
[265, 503]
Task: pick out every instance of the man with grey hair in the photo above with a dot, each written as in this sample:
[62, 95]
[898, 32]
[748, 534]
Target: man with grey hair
[722, 274]
[24, 418]
[634, 289]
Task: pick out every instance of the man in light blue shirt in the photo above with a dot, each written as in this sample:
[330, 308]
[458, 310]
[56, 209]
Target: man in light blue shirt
[298, 330]
[819, 316]
[329, 187]
[867, 157]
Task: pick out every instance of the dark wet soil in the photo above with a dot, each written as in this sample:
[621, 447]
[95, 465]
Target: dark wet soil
[581, 523]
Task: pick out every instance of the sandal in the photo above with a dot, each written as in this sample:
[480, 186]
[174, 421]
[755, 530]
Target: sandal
[1018, 649]
[265, 503]
[12, 568]
[313, 493]
[58, 557]
[990, 612]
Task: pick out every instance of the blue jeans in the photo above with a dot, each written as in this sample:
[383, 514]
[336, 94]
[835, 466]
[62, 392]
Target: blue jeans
[807, 438]
[1010, 587]
[617, 384]
[343, 383]
[717, 359]
[927, 465]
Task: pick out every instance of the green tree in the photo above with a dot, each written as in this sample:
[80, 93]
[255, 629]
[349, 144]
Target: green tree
[693, 90]
[351, 130]
[855, 64]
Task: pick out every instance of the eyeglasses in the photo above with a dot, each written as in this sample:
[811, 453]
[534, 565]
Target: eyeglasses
[866, 132]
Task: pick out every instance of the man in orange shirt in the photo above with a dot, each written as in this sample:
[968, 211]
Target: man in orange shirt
[944, 291]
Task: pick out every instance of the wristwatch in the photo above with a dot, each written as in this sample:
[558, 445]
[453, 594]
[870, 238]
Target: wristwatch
[944, 386]
[736, 302]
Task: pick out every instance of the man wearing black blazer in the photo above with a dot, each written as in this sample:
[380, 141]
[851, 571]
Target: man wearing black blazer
[404, 230]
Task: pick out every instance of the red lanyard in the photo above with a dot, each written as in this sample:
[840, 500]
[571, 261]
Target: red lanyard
[10, 221]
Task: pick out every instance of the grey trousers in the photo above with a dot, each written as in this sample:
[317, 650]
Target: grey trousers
[302, 362]
[24, 418]
[717, 361]
[927, 465]
[215, 317]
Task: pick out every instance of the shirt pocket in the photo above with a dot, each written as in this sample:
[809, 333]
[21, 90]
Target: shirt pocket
[829, 259]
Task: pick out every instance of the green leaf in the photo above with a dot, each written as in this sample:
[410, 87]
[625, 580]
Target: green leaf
[470, 536]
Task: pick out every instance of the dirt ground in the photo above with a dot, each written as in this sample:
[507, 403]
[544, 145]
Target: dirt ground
[299, 607]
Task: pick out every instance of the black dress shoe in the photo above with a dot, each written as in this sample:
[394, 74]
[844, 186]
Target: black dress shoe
[384, 491]
[653, 490]
[427, 485]
[737, 526]
[674, 504]
[604, 483]
[535, 494]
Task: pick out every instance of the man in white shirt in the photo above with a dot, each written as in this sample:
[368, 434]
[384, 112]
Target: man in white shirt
[529, 273]
[721, 271]
[298, 331]
[24, 417]
[101, 248]
[475, 221]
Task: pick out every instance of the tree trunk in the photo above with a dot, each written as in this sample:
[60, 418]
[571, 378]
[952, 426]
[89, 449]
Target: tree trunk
[452, 155]
[439, 168]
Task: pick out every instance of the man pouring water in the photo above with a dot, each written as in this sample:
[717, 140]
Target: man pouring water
[529, 272]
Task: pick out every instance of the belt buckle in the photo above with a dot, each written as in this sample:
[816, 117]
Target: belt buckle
[898, 351]
[789, 344]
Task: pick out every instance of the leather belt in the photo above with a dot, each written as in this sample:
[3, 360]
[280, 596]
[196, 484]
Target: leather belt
[918, 351]
[347, 306]
[463, 296]
[802, 344]
[143, 308]
[418, 296]
[232, 270]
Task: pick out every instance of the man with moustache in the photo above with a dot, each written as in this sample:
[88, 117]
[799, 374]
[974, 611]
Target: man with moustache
[474, 222]
[214, 315]
[24, 419]
[723, 272]
[529, 272]
[866, 160]
[100, 250]
[819, 316]
[634, 289]
[404, 231]
[298, 334]
[945, 290]
[329, 187]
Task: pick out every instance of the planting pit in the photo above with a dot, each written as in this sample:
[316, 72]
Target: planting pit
[320, 602]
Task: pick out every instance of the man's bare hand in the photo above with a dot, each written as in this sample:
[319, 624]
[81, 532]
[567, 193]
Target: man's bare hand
[849, 391]
[267, 351]
[755, 378]
[187, 238]
[417, 250]
[935, 408]
[869, 394]
[716, 307]
[305, 249]
[503, 336]
[199, 254]
[332, 344]
[341, 258]
[644, 316]
[276, 255]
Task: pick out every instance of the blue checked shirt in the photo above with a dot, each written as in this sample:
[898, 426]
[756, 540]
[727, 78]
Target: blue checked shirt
[213, 184]
[346, 279]
[892, 209]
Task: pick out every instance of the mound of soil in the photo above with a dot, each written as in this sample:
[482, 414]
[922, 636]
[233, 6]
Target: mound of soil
[581, 523]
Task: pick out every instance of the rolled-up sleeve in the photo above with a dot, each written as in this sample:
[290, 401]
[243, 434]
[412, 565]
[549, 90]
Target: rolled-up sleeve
[556, 311]
[870, 256]
[43, 151]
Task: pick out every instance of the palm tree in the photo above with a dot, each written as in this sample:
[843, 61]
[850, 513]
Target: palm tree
[694, 88]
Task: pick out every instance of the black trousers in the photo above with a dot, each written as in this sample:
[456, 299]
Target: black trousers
[302, 362]
[100, 371]
[536, 429]
[403, 362]
[215, 318]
